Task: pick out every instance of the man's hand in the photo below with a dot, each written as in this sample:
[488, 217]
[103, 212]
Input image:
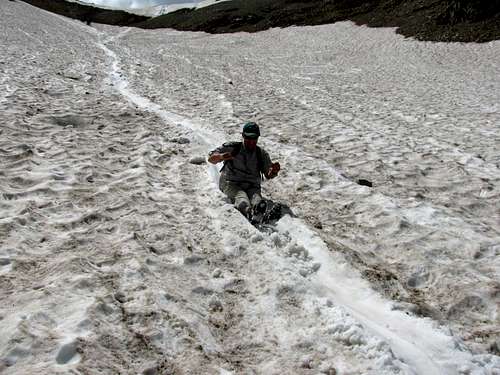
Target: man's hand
[217, 158]
[227, 156]
[273, 170]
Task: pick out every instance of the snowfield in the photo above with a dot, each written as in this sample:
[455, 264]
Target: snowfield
[118, 254]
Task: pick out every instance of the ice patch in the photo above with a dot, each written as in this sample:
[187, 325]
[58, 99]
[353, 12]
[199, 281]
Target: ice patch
[5, 266]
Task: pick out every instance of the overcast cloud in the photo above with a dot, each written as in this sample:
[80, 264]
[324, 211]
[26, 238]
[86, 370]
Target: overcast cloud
[135, 4]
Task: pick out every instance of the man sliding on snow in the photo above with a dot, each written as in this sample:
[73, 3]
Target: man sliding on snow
[240, 178]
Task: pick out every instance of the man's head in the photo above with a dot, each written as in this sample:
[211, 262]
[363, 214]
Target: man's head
[251, 134]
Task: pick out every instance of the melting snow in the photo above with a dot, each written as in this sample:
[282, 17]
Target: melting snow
[119, 255]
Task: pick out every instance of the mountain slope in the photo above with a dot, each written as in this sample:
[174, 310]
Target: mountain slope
[88, 13]
[426, 19]
[441, 20]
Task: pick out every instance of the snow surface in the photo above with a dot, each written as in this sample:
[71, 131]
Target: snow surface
[118, 255]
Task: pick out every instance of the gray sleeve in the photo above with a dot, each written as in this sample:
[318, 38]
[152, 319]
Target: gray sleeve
[266, 161]
[220, 150]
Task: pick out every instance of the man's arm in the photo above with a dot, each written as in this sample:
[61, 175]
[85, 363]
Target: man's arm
[216, 157]
[269, 169]
[225, 152]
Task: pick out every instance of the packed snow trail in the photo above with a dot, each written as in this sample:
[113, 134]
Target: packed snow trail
[418, 342]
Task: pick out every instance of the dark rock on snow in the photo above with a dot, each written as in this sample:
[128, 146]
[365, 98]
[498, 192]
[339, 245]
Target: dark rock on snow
[198, 160]
[364, 182]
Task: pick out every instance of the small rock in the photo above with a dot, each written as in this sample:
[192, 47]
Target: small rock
[170, 297]
[181, 140]
[364, 182]
[154, 250]
[120, 297]
[193, 259]
[198, 160]
[202, 290]
[316, 266]
[303, 272]
[150, 371]
[217, 273]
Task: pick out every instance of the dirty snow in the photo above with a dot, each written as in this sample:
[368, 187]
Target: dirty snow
[118, 255]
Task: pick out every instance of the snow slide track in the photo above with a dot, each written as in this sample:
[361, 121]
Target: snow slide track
[415, 341]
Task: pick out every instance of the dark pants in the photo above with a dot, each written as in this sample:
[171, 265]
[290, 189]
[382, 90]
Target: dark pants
[243, 195]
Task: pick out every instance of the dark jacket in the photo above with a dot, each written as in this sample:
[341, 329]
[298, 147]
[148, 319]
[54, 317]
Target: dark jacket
[245, 166]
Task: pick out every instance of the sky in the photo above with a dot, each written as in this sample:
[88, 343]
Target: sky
[137, 4]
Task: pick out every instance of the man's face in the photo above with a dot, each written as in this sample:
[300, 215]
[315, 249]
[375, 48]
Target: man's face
[250, 144]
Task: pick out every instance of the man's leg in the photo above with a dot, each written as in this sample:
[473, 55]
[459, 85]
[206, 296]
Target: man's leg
[242, 203]
[257, 202]
[255, 197]
[258, 205]
[237, 196]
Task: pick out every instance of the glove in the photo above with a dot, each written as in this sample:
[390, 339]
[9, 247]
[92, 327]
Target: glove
[273, 170]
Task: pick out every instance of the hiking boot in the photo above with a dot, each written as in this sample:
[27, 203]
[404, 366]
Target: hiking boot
[259, 211]
[248, 214]
[275, 213]
[245, 210]
[260, 208]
